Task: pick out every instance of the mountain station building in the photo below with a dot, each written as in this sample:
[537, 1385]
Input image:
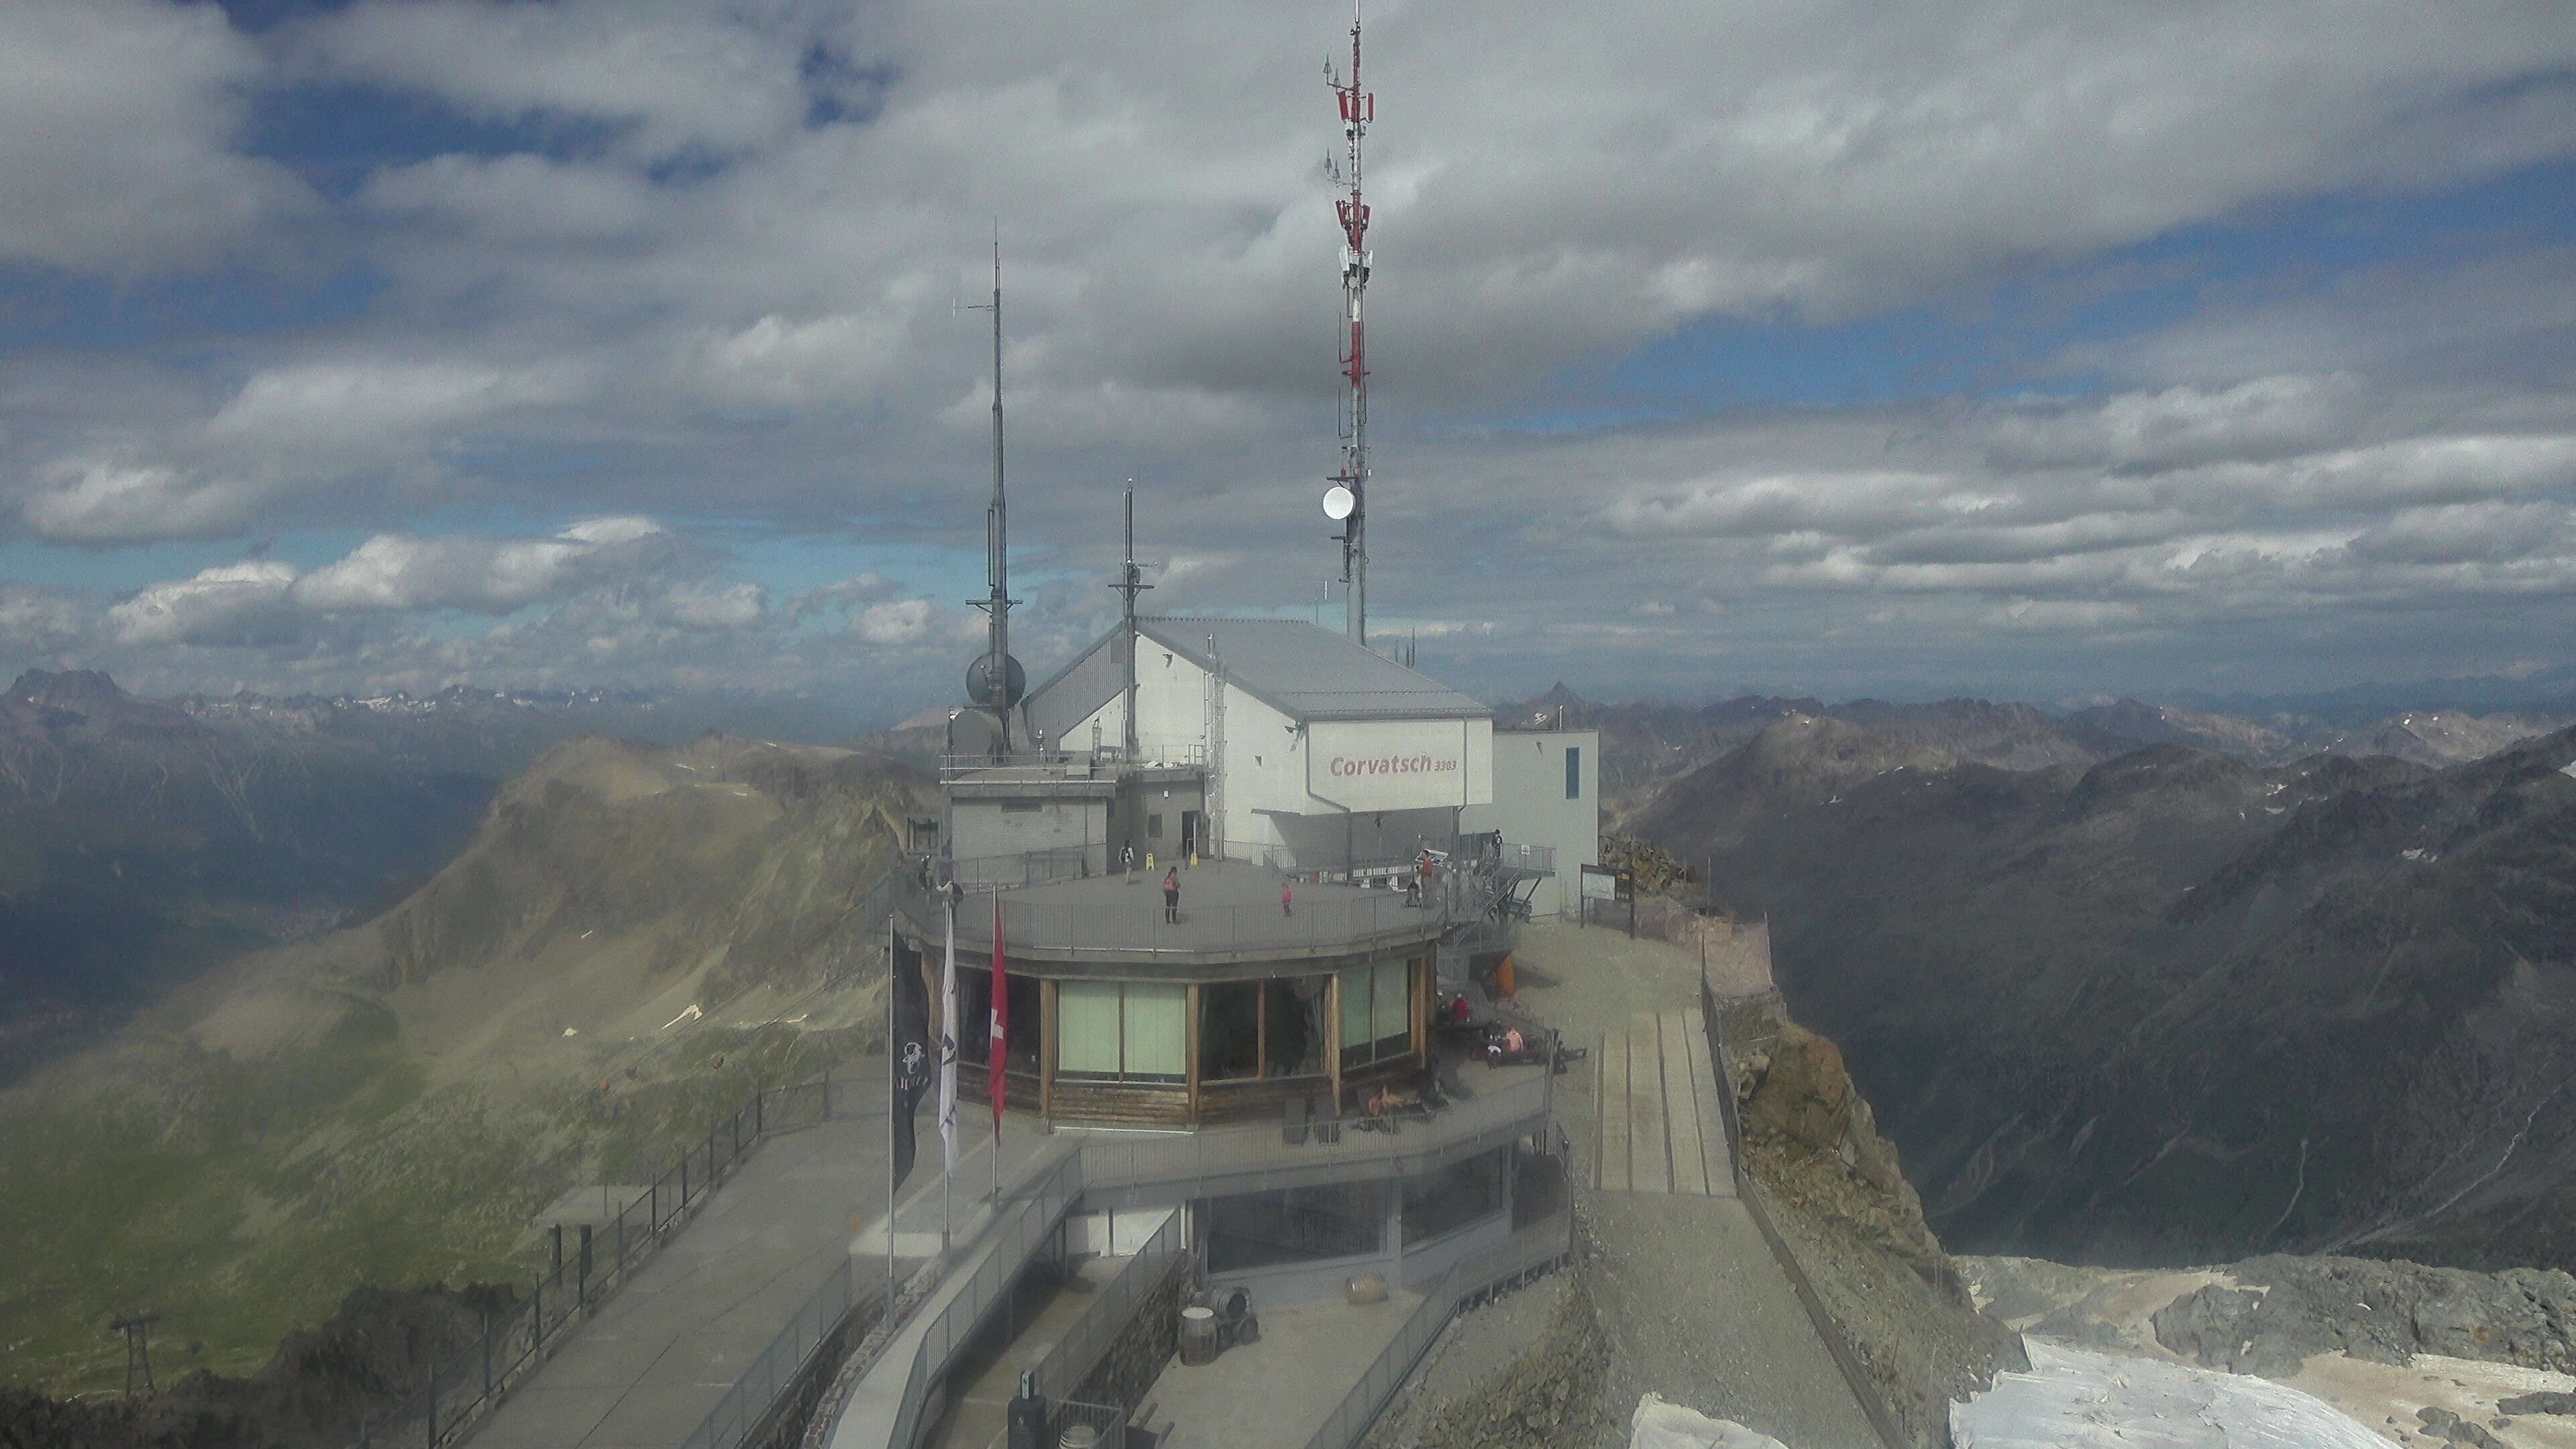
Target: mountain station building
[1342, 847]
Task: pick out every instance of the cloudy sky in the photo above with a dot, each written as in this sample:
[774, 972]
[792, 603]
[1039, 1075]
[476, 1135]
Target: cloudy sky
[2025, 348]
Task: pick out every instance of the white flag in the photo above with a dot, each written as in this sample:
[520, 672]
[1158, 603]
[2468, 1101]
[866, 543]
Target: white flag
[948, 1046]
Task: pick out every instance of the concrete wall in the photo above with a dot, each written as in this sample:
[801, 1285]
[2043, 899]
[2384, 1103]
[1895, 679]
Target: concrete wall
[1137, 804]
[981, 827]
[1530, 807]
[1115, 1234]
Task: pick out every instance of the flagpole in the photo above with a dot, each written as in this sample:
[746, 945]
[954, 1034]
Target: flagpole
[948, 1079]
[998, 1048]
[893, 1050]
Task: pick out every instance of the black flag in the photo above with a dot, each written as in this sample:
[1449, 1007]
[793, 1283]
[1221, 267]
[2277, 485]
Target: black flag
[911, 1047]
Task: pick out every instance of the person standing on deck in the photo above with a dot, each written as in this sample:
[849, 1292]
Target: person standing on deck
[1287, 898]
[1172, 896]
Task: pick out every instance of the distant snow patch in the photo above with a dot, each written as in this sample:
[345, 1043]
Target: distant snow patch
[2072, 1399]
[2568, 769]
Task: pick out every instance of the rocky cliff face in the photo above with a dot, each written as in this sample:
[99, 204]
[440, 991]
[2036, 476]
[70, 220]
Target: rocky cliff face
[2176, 1007]
[1839, 1195]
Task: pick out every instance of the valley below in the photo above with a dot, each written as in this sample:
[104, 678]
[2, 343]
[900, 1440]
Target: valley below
[2174, 1007]
[630, 942]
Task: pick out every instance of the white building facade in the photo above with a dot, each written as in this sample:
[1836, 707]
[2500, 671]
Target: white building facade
[1547, 792]
[1318, 754]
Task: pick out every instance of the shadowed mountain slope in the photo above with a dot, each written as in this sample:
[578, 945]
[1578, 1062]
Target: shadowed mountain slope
[138, 844]
[2176, 1006]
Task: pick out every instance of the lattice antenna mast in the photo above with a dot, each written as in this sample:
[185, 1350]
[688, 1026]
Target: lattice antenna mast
[1131, 582]
[1359, 110]
[996, 681]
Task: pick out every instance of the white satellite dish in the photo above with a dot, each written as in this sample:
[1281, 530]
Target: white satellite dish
[1338, 502]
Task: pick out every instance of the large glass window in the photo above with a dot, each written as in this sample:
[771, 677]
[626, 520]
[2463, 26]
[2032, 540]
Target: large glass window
[1449, 1198]
[1573, 772]
[1377, 1013]
[1272, 1028]
[1293, 1025]
[1158, 1032]
[1130, 1031]
[1229, 1031]
[1296, 1225]
[1086, 1029]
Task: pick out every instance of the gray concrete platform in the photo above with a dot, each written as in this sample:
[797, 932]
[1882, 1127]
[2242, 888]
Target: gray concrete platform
[1692, 1303]
[654, 1360]
[1276, 1393]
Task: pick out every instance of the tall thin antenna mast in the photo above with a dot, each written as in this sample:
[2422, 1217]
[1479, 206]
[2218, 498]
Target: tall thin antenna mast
[1359, 109]
[1131, 582]
[996, 682]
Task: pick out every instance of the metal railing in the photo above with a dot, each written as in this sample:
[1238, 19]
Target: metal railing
[466, 1385]
[1214, 1164]
[740, 1412]
[953, 766]
[1068, 1364]
[1028, 867]
[1198, 1165]
[1533, 1250]
[1076, 763]
[1108, 1421]
[1035, 1214]
[1126, 930]
[1847, 1360]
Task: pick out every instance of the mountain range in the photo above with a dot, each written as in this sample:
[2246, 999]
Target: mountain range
[139, 843]
[143, 840]
[1645, 745]
[2175, 1005]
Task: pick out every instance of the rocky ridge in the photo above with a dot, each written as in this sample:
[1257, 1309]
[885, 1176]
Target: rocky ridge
[2174, 1007]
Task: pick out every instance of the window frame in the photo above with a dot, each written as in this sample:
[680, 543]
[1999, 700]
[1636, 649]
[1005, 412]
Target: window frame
[1126, 1022]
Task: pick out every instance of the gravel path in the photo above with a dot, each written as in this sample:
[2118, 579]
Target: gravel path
[1690, 1301]
[1695, 1309]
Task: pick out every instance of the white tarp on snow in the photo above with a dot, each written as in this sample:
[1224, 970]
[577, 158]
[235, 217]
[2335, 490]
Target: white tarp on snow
[2076, 1400]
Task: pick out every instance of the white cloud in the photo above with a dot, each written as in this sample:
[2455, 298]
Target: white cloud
[40, 623]
[666, 78]
[120, 499]
[897, 621]
[236, 605]
[372, 402]
[116, 118]
[682, 299]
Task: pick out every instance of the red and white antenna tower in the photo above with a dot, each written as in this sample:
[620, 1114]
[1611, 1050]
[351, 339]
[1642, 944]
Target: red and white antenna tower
[1347, 500]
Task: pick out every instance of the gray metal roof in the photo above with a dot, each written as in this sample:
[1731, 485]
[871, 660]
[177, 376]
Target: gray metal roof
[1070, 695]
[1309, 673]
[1304, 672]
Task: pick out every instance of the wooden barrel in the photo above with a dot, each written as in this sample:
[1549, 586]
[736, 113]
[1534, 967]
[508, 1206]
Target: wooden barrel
[1198, 1336]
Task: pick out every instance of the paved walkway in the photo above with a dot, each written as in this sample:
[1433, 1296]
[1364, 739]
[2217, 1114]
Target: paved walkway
[982, 1235]
[1691, 1301]
[646, 1370]
[986, 1377]
[1659, 1124]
